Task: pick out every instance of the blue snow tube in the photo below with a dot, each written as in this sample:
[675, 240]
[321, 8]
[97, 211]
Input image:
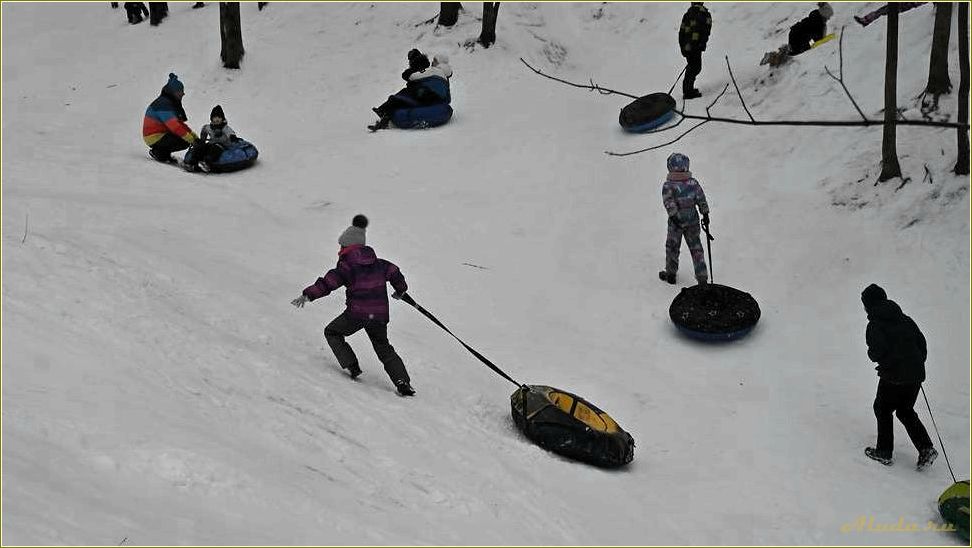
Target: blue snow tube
[239, 154]
[647, 113]
[420, 117]
[714, 312]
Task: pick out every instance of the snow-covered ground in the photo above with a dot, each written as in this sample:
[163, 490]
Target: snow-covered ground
[160, 389]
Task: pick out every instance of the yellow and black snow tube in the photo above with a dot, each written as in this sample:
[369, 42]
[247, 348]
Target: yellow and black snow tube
[954, 507]
[571, 426]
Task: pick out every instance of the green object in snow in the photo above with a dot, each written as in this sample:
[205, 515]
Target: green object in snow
[954, 507]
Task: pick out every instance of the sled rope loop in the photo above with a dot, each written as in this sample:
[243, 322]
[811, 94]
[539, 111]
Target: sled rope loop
[408, 299]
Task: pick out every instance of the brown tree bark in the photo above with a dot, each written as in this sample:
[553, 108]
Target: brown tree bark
[962, 164]
[230, 34]
[938, 80]
[890, 168]
[449, 13]
[488, 36]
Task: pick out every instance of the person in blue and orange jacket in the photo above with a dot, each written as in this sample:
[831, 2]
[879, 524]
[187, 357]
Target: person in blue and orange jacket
[164, 126]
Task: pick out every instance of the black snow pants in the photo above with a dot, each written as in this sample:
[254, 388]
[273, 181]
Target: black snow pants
[693, 67]
[898, 399]
[345, 326]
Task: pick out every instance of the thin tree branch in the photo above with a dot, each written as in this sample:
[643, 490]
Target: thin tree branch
[712, 104]
[739, 93]
[840, 80]
[592, 87]
[867, 122]
[702, 123]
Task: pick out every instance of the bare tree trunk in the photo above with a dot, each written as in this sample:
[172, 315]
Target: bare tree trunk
[962, 164]
[889, 150]
[230, 34]
[490, 11]
[938, 81]
[449, 13]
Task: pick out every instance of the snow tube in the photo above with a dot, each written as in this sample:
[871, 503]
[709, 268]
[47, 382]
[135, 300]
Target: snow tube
[420, 117]
[571, 426]
[714, 312]
[647, 113]
[239, 154]
[953, 505]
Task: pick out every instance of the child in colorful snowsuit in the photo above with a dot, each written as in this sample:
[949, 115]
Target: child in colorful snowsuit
[164, 126]
[681, 194]
[365, 276]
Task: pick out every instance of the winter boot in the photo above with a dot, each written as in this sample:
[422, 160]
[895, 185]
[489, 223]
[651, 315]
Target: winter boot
[161, 157]
[926, 457]
[872, 453]
[380, 124]
[667, 277]
[354, 370]
[404, 389]
[691, 94]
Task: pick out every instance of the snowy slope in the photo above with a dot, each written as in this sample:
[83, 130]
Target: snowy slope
[159, 387]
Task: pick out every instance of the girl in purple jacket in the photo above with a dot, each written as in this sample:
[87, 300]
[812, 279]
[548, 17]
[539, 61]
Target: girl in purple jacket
[364, 276]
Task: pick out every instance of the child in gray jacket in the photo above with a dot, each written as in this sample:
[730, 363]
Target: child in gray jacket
[213, 140]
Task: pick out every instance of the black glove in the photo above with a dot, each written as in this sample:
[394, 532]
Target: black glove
[397, 296]
[705, 220]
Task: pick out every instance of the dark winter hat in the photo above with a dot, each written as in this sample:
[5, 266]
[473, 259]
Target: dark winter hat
[354, 234]
[217, 111]
[173, 86]
[413, 54]
[678, 162]
[872, 295]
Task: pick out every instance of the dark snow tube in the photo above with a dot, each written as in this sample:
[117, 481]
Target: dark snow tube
[237, 155]
[714, 312]
[421, 117]
[953, 505]
[647, 113]
[571, 426]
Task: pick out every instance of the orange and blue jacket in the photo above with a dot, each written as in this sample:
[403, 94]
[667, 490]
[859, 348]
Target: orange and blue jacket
[165, 116]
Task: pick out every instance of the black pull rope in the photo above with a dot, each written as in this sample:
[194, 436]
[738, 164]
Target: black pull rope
[940, 442]
[408, 298]
[675, 83]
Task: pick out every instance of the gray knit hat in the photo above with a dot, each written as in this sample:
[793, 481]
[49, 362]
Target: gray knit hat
[354, 234]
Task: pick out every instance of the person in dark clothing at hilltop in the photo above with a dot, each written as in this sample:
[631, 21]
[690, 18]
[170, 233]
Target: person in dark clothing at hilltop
[896, 344]
[804, 34]
[693, 35]
[811, 28]
[136, 12]
[157, 12]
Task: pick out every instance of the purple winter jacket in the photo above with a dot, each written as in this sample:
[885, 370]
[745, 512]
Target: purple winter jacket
[364, 275]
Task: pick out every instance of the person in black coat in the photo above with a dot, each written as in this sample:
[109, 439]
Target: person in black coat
[135, 11]
[693, 35]
[157, 12]
[896, 344]
[811, 28]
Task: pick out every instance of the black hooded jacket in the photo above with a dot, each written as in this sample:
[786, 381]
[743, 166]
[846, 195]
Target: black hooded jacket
[895, 343]
[810, 29]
